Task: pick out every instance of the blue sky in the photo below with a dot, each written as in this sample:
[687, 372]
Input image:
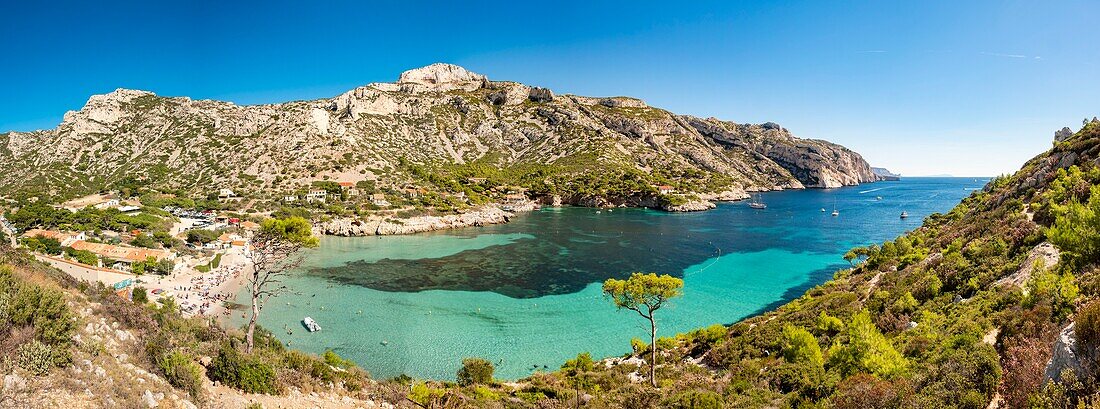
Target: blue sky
[966, 88]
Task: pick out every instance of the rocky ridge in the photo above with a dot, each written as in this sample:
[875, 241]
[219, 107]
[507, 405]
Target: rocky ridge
[439, 115]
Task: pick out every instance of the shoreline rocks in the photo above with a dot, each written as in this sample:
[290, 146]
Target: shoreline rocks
[387, 226]
[692, 206]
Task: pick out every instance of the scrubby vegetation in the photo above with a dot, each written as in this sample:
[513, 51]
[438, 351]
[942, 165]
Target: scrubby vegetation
[36, 325]
[963, 311]
[957, 313]
[37, 329]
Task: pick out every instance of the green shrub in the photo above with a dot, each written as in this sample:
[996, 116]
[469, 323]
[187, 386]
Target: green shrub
[1087, 325]
[705, 337]
[1050, 287]
[695, 399]
[140, 296]
[582, 363]
[258, 377]
[666, 343]
[905, 304]
[867, 350]
[638, 345]
[230, 367]
[46, 310]
[483, 393]
[36, 357]
[799, 346]
[475, 371]
[828, 325]
[425, 396]
[336, 361]
[1075, 230]
[182, 372]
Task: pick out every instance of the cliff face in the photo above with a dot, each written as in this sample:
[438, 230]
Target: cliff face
[814, 163]
[437, 115]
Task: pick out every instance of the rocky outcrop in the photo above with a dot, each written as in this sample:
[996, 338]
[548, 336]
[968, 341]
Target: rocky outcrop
[387, 226]
[1042, 256]
[691, 206]
[885, 174]
[442, 76]
[1065, 356]
[538, 94]
[730, 195]
[1062, 134]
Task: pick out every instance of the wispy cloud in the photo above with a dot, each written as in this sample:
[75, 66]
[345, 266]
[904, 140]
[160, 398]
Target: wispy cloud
[1010, 55]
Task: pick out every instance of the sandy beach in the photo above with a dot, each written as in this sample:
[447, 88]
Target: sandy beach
[199, 293]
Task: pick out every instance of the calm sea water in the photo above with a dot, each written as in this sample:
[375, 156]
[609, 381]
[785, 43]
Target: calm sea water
[526, 295]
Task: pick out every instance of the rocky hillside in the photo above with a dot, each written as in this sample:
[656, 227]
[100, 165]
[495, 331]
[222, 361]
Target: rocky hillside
[437, 117]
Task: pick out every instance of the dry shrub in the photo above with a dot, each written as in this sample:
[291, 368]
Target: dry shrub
[1023, 362]
[862, 390]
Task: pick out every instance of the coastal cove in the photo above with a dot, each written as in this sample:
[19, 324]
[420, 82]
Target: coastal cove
[526, 294]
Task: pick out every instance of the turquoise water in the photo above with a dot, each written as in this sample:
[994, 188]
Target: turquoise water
[526, 295]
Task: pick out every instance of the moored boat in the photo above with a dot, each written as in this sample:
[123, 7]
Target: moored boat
[756, 204]
[310, 324]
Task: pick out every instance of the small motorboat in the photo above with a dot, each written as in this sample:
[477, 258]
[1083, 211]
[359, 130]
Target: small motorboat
[878, 197]
[822, 210]
[904, 214]
[310, 324]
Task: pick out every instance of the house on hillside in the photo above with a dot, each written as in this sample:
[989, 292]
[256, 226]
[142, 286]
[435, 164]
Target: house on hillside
[122, 258]
[98, 201]
[666, 190]
[316, 195]
[349, 189]
[226, 194]
[66, 239]
[290, 199]
[107, 204]
[130, 210]
[413, 191]
[379, 199]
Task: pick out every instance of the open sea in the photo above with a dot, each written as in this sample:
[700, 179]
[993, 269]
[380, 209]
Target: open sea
[526, 295]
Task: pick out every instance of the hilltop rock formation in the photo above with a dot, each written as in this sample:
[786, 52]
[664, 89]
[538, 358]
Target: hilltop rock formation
[439, 115]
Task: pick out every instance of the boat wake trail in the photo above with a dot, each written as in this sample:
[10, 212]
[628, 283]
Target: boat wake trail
[718, 255]
[873, 190]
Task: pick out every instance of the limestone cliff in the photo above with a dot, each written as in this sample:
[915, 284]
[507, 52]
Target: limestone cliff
[436, 116]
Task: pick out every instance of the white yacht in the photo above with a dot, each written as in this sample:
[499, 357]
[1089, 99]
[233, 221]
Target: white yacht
[310, 324]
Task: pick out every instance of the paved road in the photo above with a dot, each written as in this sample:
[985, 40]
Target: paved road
[84, 273]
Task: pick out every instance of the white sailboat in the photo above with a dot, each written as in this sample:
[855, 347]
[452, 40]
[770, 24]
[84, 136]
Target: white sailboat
[756, 204]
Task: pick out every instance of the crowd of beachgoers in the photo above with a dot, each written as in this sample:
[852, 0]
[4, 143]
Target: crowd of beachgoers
[203, 293]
